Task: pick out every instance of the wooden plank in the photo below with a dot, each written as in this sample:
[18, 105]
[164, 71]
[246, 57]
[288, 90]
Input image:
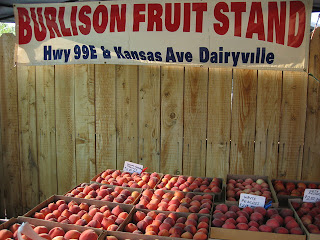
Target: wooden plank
[11, 179]
[243, 121]
[28, 136]
[311, 156]
[65, 127]
[195, 121]
[46, 131]
[127, 114]
[85, 123]
[267, 123]
[292, 125]
[149, 117]
[219, 122]
[106, 142]
[172, 83]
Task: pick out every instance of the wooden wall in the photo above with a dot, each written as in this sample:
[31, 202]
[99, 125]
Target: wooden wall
[60, 125]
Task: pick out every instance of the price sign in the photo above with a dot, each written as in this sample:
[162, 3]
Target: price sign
[311, 195]
[248, 200]
[132, 167]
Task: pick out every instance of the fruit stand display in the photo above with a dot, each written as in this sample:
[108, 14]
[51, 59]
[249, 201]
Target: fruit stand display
[112, 212]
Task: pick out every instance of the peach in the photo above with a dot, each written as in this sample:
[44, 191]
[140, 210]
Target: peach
[297, 231]
[87, 217]
[187, 235]
[56, 231]
[56, 238]
[253, 228]
[165, 225]
[116, 210]
[229, 226]
[81, 222]
[292, 224]
[217, 223]
[153, 228]
[273, 223]
[88, 235]
[39, 215]
[190, 228]
[200, 236]
[138, 216]
[173, 215]
[5, 233]
[265, 228]
[148, 219]
[141, 225]
[164, 233]
[72, 234]
[94, 224]
[203, 225]
[40, 229]
[242, 226]
[176, 230]
[130, 227]
[281, 230]
[286, 212]
[45, 236]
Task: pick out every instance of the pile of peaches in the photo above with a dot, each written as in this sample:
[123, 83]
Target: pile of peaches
[309, 214]
[175, 201]
[292, 189]
[190, 184]
[104, 193]
[257, 219]
[125, 179]
[56, 233]
[169, 225]
[83, 214]
[237, 186]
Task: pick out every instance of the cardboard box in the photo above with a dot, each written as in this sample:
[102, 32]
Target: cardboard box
[236, 234]
[95, 178]
[196, 193]
[310, 236]
[50, 225]
[218, 196]
[113, 187]
[98, 203]
[142, 236]
[275, 202]
[283, 199]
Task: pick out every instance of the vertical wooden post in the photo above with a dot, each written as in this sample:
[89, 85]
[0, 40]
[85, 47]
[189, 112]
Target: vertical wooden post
[243, 121]
[28, 136]
[127, 114]
[65, 137]
[149, 117]
[11, 178]
[172, 79]
[195, 121]
[219, 122]
[46, 131]
[311, 156]
[268, 123]
[85, 122]
[106, 142]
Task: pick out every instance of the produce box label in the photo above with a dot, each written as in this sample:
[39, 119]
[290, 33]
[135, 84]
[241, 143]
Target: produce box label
[239, 34]
[248, 200]
[311, 195]
[132, 167]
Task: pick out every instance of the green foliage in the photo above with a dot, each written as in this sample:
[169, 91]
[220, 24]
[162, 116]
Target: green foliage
[6, 28]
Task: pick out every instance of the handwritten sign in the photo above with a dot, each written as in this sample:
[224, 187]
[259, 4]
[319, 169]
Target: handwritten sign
[132, 167]
[248, 200]
[311, 195]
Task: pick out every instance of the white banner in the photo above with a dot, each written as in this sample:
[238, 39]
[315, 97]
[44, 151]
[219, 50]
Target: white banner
[241, 34]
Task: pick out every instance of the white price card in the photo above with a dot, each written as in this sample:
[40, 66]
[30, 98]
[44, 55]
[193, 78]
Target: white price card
[311, 195]
[249, 200]
[132, 167]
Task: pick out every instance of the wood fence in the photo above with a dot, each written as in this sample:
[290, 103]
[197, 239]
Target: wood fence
[60, 125]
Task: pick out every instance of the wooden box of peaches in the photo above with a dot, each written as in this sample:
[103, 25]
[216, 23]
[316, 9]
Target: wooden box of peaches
[292, 189]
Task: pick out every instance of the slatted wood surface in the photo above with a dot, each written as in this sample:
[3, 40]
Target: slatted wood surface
[61, 125]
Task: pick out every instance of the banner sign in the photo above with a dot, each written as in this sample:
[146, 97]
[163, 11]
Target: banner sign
[231, 33]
